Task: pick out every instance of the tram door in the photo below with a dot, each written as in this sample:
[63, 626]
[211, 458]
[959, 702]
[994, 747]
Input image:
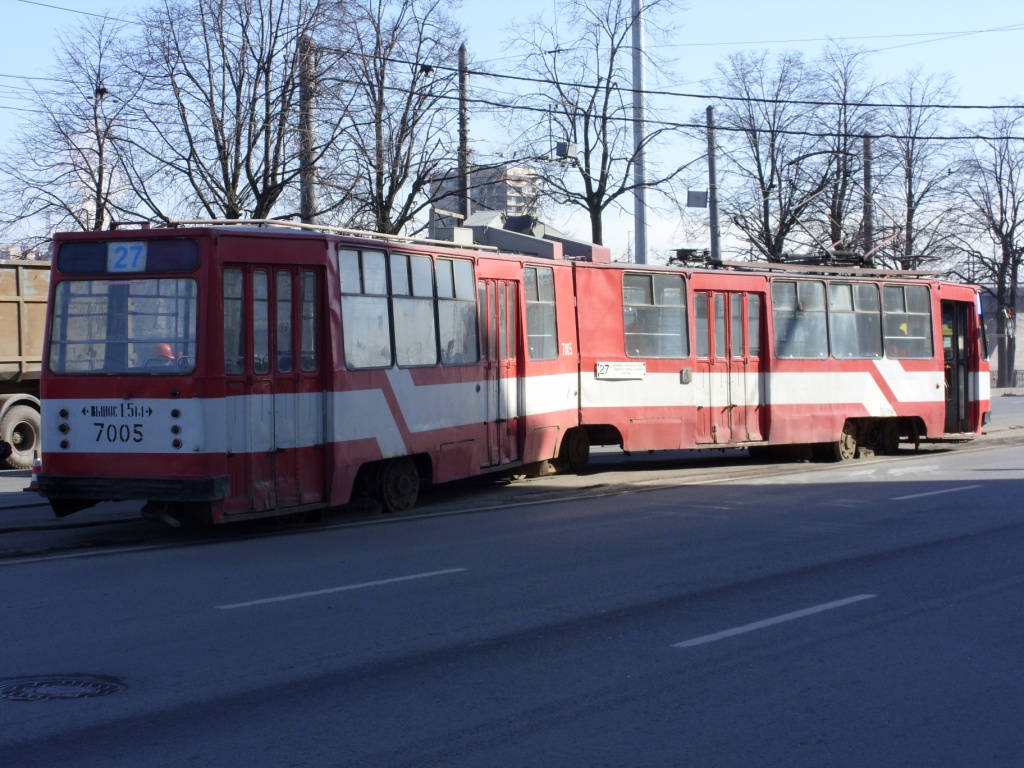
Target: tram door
[728, 369]
[298, 395]
[275, 399]
[956, 317]
[498, 303]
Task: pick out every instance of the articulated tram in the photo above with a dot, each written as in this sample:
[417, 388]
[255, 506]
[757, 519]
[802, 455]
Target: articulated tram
[223, 372]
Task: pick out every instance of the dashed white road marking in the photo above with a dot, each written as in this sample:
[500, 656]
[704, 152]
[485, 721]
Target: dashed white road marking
[771, 622]
[935, 493]
[346, 588]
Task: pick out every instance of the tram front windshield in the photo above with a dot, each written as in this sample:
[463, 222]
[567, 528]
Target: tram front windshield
[140, 325]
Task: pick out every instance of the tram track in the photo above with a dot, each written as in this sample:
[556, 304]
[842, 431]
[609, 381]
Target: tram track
[608, 476]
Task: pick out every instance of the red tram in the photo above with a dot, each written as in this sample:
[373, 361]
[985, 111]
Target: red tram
[229, 372]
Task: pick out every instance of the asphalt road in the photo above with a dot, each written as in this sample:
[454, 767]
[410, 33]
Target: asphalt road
[858, 614]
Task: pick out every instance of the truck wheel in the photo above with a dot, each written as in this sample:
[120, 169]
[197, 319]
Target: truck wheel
[21, 428]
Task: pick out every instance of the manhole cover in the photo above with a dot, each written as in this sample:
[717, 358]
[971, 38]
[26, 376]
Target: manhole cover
[59, 687]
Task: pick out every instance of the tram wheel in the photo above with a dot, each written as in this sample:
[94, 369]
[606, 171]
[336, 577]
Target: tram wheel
[577, 450]
[891, 436]
[846, 445]
[398, 485]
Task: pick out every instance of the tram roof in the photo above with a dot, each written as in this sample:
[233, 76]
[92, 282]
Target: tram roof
[738, 266]
[827, 269]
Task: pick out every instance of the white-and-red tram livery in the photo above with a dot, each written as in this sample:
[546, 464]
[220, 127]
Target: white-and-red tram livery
[229, 372]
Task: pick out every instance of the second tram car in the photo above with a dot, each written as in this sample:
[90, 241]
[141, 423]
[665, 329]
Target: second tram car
[228, 372]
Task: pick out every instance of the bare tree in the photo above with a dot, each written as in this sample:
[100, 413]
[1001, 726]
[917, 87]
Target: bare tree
[777, 164]
[397, 80]
[584, 100]
[844, 88]
[915, 192]
[993, 191]
[63, 172]
[215, 125]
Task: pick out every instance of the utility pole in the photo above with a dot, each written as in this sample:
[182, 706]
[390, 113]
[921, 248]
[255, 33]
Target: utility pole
[102, 134]
[639, 152]
[716, 251]
[307, 133]
[464, 183]
[869, 223]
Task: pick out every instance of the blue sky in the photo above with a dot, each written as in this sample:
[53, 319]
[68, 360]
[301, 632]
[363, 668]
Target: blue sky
[979, 43]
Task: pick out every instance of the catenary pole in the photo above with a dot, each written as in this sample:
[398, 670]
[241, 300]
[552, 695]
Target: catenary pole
[639, 152]
[716, 253]
[464, 182]
[869, 227]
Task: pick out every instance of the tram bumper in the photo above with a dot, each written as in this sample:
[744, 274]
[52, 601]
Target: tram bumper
[68, 494]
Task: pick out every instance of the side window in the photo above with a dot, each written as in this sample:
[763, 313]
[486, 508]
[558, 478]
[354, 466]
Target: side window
[654, 316]
[364, 309]
[736, 324]
[754, 324]
[310, 322]
[719, 300]
[700, 315]
[798, 315]
[284, 322]
[456, 311]
[412, 290]
[907, 321]
[260, 322]
[541, 330]
[855, 323]
[234, 322]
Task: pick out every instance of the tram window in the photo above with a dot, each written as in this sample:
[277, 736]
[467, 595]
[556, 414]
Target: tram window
[654, 316]
[456, 312]
[445, 279]
[736, 325]
[700, 314]
[855, 323]
[234, 322]
[364, 309]
[541, 329]
[754, 324]
[798, 314]
[285, 357]
[142, 325]
[308, 334]
[413, 307]
[463, 279]
[719, 325]
[907, 321]
[260, 322]
[348, 264]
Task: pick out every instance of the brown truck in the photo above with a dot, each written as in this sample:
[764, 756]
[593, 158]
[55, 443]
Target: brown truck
[23, 291]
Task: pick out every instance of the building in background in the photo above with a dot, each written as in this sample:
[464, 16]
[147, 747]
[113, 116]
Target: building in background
[14, 252]
[509, 189]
